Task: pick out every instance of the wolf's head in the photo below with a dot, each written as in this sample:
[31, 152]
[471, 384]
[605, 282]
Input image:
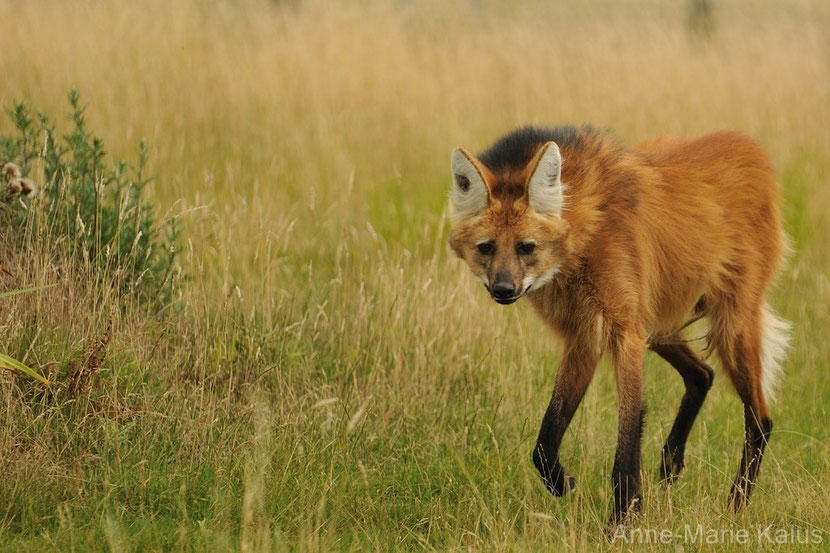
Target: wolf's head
[507, 221]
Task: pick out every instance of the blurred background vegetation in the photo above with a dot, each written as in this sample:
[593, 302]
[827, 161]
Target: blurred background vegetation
[322, 374]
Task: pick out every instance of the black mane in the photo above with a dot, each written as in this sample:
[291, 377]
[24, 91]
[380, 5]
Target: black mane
[515, 150]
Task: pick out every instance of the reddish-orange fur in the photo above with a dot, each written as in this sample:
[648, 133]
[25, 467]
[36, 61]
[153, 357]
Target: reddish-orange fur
[645, 234]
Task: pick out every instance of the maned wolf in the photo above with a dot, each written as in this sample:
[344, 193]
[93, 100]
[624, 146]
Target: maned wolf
[618, 250]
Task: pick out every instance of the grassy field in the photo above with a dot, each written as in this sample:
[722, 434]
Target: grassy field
[329, 377]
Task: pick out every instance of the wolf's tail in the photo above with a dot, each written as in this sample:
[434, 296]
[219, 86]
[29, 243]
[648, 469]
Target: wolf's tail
[775, 341]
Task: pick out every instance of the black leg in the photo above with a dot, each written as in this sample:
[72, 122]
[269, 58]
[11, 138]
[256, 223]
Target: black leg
[743, 365]
[757, 432]
[698, 377]
[572, 380]
[625, 476]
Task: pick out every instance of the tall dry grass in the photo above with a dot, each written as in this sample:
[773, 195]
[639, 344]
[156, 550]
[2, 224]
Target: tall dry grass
[330, 377]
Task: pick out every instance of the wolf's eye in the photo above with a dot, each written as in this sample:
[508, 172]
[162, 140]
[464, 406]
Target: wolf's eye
[525, 248]
[486, 248]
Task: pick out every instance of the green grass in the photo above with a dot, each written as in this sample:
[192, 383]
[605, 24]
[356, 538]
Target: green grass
[329, 377]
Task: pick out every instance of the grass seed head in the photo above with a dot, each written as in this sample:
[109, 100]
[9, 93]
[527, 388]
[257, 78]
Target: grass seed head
[28, 188]
[15, 187]
[11, 171]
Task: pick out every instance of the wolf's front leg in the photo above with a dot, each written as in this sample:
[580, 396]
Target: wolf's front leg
[575, 372]
[629, 351]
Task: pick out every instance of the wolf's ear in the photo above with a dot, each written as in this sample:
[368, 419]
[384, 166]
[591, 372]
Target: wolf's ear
[544, 189]
[469, 191]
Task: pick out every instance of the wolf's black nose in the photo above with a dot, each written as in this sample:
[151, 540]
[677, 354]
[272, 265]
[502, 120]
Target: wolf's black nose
[503, 291]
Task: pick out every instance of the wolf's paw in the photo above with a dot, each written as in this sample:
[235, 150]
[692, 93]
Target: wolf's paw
[625, 515]
[557, 481]
[560, 486]
[671, 465]
[739, 496]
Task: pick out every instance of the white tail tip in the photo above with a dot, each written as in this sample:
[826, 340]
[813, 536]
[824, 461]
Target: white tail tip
[775, 337]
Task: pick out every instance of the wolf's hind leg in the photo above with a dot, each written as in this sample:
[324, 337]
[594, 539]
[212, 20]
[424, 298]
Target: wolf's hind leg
[698, 377]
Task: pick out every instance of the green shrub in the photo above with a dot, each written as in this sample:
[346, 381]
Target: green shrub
[64, 192]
